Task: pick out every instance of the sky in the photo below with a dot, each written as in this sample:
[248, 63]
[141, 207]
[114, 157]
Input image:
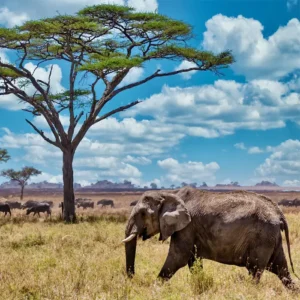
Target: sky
[197, 127]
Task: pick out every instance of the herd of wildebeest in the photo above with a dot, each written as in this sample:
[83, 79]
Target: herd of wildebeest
[37, 207]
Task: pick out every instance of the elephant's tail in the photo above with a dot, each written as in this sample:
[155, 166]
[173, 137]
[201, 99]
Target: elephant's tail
[287, 237]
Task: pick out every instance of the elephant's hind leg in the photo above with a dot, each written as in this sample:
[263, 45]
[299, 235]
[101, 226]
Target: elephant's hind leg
[278, 265]
[257, 261]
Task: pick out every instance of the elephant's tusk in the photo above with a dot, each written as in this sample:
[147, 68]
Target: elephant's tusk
[131, 237]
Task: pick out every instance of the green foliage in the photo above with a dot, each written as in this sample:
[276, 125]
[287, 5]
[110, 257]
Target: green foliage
[112, 64]
[4, 156]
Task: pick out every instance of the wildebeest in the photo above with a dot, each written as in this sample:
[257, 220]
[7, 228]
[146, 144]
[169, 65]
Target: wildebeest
[4, 207]
[85, 204]
[133, 203]
[14, 204]
[106, 202]
[285, 202]
[29, 204]
[40, 207]
[79, 200]
[49, 202]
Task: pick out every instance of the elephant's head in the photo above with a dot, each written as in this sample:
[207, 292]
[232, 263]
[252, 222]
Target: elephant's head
[155, 212]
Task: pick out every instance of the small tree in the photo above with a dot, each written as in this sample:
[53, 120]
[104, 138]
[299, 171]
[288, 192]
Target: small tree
[20, 176]
[101, 44]
[153, 186]
[4, 157]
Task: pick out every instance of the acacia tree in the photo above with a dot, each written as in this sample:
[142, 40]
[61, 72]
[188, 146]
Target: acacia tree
[21, 177]
[100, 44]
[4, 156]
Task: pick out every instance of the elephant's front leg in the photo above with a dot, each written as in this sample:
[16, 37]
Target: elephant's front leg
[180, 251]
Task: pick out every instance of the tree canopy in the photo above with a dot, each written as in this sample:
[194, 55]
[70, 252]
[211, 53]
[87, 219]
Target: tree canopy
[99, 45]
[21, 176]
[4, 156]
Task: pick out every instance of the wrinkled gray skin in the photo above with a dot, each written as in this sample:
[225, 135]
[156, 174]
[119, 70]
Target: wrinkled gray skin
[38, 208]
[235, 228]
[106, 202]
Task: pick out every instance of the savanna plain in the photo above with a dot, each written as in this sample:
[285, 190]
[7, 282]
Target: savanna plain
[43, 258]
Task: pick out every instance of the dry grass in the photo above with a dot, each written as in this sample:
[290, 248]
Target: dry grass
[42, 258]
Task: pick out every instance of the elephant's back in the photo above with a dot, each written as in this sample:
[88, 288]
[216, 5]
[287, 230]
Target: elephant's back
[231, 206]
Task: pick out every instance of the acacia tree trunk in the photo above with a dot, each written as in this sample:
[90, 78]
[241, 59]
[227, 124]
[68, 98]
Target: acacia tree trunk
[68, 179]
[22, 191]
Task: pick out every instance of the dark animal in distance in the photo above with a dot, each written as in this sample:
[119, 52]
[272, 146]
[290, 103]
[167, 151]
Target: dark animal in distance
[14, 204]
[38, 208]
[48, 202]
[133, 203]
[236, 228]
[80, 200]
[29, 204]
[85, 204]
[4, 207]
[290, 203]
[106, 202]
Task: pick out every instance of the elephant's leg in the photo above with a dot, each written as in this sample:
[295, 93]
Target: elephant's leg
[278, 265]
[179, 254]
[258, 260]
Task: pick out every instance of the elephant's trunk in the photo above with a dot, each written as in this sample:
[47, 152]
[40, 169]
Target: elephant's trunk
[130, 246]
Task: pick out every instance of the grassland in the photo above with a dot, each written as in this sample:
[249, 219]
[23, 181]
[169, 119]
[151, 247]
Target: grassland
[46, 259]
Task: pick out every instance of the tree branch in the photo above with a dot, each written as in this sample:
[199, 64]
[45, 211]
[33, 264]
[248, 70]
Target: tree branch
[154, 75]
[119, 109]
[41, 133]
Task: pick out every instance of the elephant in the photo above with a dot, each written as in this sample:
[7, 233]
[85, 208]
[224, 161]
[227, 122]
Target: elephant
[133, 203]
[237, 228]
[38, 208]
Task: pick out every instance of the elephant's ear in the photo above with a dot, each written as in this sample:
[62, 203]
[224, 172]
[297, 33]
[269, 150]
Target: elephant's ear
[173, 216]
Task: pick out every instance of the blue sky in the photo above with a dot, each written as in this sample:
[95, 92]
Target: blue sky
[242, 127]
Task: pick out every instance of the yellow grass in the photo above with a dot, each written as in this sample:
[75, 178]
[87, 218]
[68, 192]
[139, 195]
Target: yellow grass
[46, 259]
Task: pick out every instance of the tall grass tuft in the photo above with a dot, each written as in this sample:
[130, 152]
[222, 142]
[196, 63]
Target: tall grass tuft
[200, 280]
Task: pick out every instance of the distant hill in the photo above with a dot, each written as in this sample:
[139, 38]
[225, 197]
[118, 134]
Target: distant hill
[108, 185]
[231, 184]
[266, 183]
[12, 184]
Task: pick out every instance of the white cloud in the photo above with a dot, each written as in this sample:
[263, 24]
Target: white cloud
[186, 65]
[284, 160]
[240, 146]
[38, 9]
[291, 3]
[47, 177]
[251, 150]
[135, 74]
[143, 5]
[255, 150]
[139, 160]
[294, 182]
[256, 56]
[10, 19]
[223, 107]
[188, 172]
